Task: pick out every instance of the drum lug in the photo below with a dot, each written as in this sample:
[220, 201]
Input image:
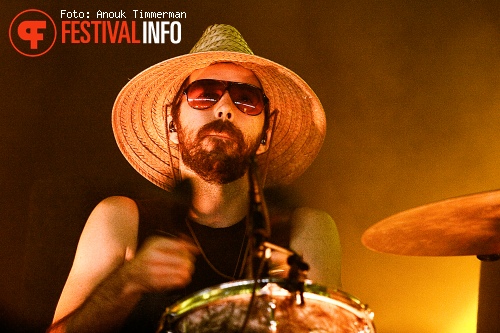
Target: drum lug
[271, 308]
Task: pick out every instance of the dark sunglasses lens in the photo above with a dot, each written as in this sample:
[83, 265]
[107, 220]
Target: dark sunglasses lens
[248, 99]
[202, 94]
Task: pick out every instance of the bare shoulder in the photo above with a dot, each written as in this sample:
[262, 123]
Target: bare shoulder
[314, 234]
[110, 234]
[118, 206]
[312, 214]
[117, 217]
[115, 209]
[310, 220]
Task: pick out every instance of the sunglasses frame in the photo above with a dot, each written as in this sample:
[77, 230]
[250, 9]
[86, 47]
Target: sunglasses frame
[227, 86]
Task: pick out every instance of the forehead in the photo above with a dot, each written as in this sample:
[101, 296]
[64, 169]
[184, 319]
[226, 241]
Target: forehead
[226, 72]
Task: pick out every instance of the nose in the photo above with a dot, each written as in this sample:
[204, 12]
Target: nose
[224, 109]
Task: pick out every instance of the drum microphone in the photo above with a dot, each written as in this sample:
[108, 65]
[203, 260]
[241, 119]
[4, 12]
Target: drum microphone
[258, 209]
[258, 226]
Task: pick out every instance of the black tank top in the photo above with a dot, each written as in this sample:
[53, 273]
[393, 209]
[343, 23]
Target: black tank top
[223, 247]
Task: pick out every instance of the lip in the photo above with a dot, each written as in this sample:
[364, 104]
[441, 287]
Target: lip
[221, 135]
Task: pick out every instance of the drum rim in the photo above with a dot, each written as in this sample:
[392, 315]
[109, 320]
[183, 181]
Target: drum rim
[220, 291]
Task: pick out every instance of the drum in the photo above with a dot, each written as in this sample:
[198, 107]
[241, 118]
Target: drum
[224, 308]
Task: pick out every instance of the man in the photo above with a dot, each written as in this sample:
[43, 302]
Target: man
[202, 117]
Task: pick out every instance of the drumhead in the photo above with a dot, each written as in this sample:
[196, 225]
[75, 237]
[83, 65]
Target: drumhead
[223, 308]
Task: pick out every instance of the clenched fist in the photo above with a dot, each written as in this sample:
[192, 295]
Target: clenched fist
[161, 264]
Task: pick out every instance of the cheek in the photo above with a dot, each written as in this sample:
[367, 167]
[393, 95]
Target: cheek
[258, 127]
[251, 127]
[190, 119]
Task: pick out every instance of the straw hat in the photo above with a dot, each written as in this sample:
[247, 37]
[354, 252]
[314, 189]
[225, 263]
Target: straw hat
[140, 111]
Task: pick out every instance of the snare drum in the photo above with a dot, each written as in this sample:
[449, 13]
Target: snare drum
[224, 308]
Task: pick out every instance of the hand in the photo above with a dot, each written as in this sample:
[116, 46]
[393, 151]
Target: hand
[161, 264]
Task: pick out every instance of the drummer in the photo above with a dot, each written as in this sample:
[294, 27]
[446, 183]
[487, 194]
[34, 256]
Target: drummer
[203, 117]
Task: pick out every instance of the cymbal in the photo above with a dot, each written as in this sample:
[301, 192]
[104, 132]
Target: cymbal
[468, 225]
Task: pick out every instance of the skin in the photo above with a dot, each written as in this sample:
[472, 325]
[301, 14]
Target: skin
[213, 204]
[109, 275]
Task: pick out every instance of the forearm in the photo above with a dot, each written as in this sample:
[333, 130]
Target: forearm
[104, 310]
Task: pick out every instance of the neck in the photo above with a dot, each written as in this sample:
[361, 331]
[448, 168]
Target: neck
[218, 205]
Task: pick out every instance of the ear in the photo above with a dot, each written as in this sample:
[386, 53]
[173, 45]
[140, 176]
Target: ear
[264, 143]
[172, 131]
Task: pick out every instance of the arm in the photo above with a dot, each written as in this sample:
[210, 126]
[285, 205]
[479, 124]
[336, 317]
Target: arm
[315, 236]
[108, 277]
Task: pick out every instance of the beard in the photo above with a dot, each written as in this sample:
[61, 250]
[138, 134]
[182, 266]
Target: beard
[217, 160]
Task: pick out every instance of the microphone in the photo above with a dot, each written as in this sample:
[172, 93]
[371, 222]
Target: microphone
[258, 226]
[261, 226]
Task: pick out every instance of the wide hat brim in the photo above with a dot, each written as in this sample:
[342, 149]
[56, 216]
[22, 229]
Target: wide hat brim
[139, 118]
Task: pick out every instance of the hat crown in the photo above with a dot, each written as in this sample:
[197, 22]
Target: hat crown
[221, 37]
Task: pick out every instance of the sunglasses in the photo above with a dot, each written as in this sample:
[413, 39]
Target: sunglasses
[203, 94]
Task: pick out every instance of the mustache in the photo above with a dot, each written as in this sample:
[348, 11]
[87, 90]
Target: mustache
[220, 126]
